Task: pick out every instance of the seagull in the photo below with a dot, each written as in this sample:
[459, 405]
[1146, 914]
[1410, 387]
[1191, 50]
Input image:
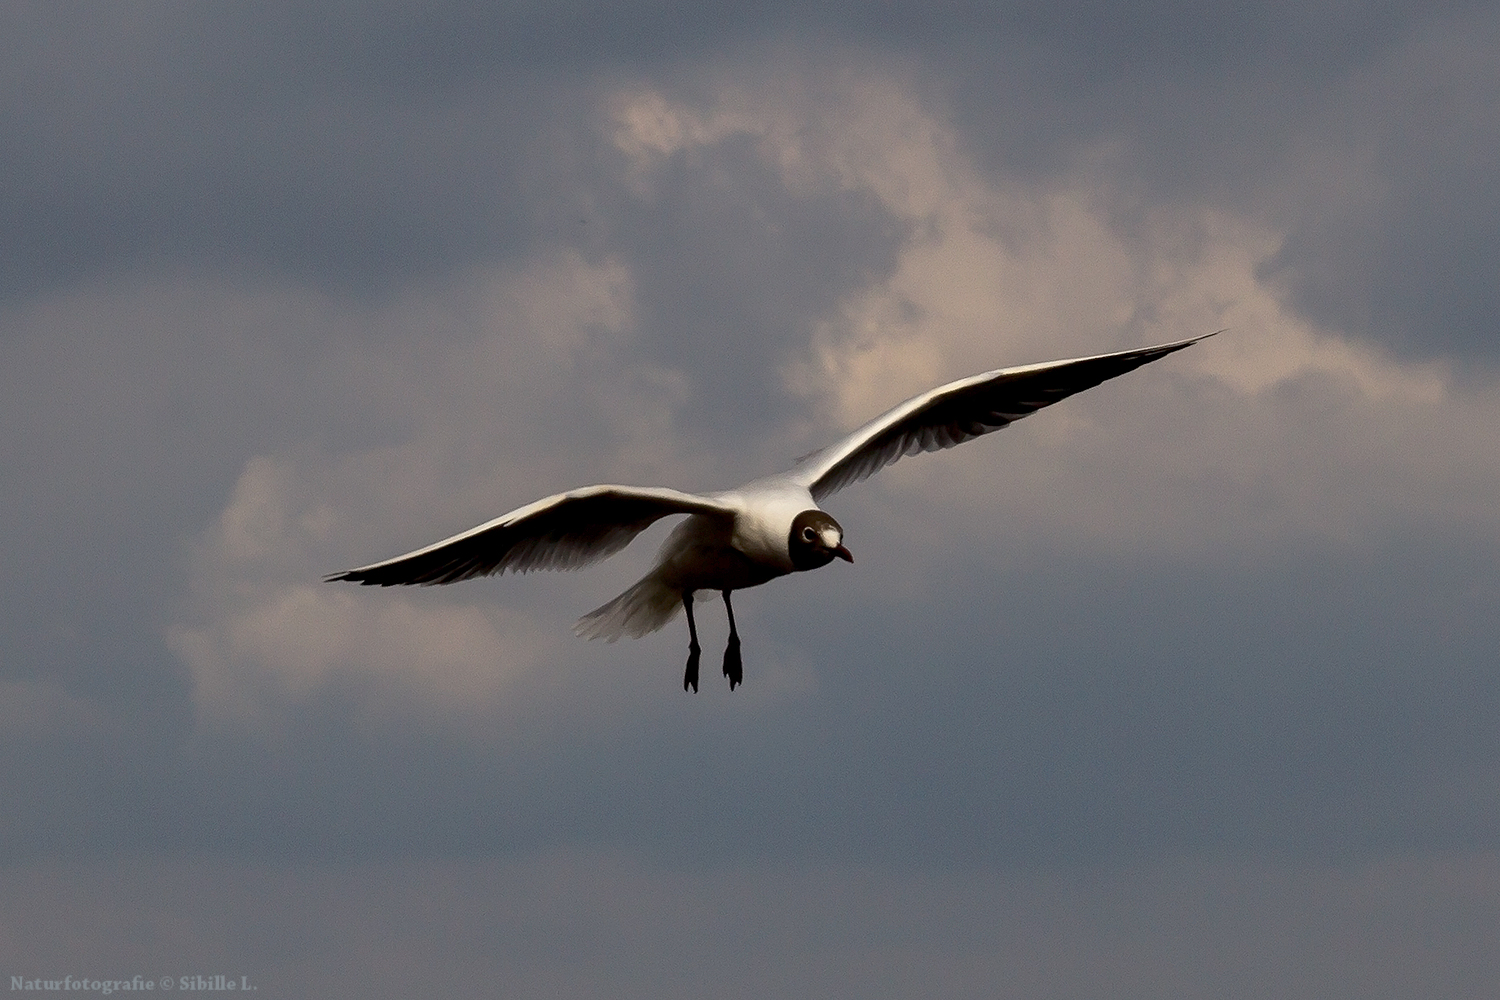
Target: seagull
[749, 535]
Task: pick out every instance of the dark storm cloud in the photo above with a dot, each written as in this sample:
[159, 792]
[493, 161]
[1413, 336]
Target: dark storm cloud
[445, 42]
[202, 139]
[228, 132]
[1413, 257]
[716, 216]
[1366, 135]
[364, 144]
[1152, 716]
[1168, 710]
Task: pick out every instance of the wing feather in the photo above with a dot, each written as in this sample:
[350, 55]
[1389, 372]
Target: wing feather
[961, 411]
[564, 531]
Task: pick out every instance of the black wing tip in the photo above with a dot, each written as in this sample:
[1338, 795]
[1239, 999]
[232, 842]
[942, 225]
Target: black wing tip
[350, 576]
[362, 578]
[387, 577]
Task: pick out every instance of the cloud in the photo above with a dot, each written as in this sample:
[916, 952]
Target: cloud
[1398, 245]
[359, 147]
[375, 302]
[1090, 611]
[994, 274]
[34, 709]
[485, 357]
[292, 635]
[1184, 686]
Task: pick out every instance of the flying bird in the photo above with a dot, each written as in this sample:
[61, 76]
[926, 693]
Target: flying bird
[748, 535]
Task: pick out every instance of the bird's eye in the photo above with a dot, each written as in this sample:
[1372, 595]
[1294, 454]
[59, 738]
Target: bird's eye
[808, 534]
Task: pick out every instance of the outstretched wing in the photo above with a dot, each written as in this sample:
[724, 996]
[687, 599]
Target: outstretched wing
[565, 531]
[959, 411]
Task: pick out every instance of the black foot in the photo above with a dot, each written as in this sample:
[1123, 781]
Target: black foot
[733, 668]
[690, 676]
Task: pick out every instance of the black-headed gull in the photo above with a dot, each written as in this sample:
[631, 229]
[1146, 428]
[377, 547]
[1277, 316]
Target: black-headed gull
[746, 536]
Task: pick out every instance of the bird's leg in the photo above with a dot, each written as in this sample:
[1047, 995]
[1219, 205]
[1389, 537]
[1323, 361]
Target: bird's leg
[733, 668]
[690, 677]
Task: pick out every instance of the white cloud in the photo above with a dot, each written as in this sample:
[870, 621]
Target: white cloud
[473, 369]
[273, 632]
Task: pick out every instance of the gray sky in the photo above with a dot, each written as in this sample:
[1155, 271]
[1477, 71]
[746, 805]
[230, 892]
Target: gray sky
[1186, 686]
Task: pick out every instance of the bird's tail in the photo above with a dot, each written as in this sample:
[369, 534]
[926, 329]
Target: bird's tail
[642, 609]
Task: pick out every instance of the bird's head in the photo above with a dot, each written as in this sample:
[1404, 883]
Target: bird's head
[816, 540]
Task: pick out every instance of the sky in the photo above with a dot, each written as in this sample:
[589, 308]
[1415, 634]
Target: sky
[1186, 686]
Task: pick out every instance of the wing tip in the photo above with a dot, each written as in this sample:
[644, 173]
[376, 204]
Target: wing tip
[349, 576]
[1178, 345]
[1193, 340]
[367, 576]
